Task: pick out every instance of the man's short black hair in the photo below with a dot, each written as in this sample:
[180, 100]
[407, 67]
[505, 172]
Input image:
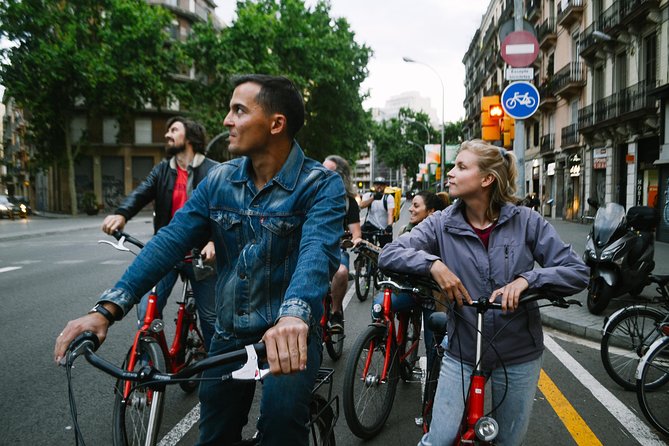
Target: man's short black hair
[196, 135]
[277, 94]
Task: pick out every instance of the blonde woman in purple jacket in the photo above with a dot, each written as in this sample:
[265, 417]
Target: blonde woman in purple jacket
[486, 246]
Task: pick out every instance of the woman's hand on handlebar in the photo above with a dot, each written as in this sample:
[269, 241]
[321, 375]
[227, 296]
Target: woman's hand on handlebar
[449, 283]
[286, 345]
[510, 293]
[112, 223]
[94, 322]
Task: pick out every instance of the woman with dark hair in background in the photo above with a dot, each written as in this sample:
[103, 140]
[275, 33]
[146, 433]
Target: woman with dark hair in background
[339, 281]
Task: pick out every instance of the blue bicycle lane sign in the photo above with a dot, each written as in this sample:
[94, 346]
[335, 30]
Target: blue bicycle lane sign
[520, 100]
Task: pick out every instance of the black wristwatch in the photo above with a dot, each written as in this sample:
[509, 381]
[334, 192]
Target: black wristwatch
[99, 308]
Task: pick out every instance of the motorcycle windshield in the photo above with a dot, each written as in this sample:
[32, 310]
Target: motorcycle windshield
[608, 221]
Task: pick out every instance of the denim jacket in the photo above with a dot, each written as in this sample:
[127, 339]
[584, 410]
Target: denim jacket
[276, 248]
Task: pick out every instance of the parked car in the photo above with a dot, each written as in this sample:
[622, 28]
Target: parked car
[22, 204]
[7, 209]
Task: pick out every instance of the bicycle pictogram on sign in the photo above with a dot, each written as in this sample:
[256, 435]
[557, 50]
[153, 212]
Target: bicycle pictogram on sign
[520, 100]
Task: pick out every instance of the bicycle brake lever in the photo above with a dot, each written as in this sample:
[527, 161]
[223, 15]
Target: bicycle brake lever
[250, 371]
[119, 245]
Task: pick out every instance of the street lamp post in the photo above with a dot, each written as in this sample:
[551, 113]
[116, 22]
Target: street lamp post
[442, 155]
[427, 130]
[420, 147]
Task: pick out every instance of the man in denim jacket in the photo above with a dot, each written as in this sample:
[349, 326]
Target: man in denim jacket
[276, 219]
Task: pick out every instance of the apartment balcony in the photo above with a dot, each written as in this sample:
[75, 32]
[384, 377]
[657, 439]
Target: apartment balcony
[571, 13]
[569, 80]
[586, 118]
[631, 103]
[609, 19]
[548, 100]
[547, 33]
[570, 136]
[593, 45]
[490, 32]
[533, 10]
[640, 12]
[547, 144]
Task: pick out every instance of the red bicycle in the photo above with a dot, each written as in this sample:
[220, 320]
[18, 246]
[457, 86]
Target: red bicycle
[138, 410]
[384, 352]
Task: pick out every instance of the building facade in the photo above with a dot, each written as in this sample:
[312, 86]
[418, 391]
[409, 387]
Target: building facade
[601, 128]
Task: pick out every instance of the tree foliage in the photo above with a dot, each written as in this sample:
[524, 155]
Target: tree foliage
[109, 56]
[317, 52]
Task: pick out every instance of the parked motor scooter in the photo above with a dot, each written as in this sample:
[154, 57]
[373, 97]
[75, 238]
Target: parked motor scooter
[619, 251]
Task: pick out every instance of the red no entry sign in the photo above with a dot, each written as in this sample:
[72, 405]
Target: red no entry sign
[520, 49]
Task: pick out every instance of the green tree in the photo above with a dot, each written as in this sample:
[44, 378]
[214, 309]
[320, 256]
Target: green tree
[398, 141]
[85, 56]
[318, 52]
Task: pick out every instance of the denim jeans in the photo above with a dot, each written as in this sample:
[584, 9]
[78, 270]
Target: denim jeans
[404, 301]
[513, 415]
[284, 407]
[205, 300]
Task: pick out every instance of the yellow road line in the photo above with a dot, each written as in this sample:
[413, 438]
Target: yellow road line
[576, 426]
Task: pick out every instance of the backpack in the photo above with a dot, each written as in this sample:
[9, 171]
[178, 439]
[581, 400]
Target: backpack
[396, 193]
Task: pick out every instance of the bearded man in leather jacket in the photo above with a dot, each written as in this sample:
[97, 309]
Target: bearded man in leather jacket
[169, 185]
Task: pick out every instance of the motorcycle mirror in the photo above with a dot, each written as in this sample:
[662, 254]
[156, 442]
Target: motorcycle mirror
[593, 202]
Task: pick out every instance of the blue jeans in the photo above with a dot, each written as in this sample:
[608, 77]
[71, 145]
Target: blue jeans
[513, 416]
[205, 300]
[284, 408]
[405, 301]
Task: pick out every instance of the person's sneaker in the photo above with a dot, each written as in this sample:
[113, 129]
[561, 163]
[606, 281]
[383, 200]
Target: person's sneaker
[336, 322]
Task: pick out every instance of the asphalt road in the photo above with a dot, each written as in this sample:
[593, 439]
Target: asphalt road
[45, 281]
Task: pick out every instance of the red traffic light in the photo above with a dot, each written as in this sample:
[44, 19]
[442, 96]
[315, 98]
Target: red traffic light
[496, 111]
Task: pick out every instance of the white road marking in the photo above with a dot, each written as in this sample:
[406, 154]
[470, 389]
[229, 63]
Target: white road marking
[114, 262]
[69, 262]
[9, 268]
[28, 262]
[642, 433]
[177, 432]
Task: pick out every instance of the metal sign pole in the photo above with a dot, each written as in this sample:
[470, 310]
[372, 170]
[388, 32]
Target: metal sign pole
[519, 140]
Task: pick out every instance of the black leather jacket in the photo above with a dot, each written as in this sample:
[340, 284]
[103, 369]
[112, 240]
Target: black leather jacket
[158, 187]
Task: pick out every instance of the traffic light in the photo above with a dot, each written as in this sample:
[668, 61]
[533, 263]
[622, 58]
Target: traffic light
[491, 114]
[507, 126]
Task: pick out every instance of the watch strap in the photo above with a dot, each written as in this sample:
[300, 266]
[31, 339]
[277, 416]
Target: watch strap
[99, 308]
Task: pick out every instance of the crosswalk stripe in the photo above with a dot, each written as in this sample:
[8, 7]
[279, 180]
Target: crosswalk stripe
[9, 268]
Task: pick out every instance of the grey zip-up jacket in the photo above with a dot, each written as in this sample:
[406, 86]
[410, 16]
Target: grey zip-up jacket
[520, 238]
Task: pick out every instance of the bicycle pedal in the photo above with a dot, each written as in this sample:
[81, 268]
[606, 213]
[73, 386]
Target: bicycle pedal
[418, 421]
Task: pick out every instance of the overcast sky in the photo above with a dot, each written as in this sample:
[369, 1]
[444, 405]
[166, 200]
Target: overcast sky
[436, 32]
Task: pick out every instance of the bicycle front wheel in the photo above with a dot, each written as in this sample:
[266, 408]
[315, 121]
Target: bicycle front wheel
[367, 398]
[626, 340]
[654, 402]
[137, 418]
[363, 277]
[322, 423]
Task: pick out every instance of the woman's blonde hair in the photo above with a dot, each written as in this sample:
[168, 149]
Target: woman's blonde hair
[501, 164]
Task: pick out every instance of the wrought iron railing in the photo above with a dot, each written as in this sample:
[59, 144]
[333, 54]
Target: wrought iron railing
[547, 143]
[585, 117]
[570, 136]
[571, 4]
[571, 73]
[546, 28]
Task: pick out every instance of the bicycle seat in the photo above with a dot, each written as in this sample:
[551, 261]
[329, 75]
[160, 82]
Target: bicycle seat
[437, 323]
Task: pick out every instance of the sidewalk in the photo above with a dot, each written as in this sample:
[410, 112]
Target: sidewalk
[577, 320]
[49, 224]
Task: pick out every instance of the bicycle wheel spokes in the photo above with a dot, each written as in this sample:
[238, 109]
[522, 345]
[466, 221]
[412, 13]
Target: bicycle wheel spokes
[363, 278]
[368, 398]
[626, 340]
[654, 399]
[137, 417]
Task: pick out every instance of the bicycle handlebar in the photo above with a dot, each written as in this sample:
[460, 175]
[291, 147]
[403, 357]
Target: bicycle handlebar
[412, 284]
[87, 343]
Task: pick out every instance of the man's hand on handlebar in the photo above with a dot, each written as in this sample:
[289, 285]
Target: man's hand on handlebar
[112, 223]
[510, 293]
[286, 345]
[94, 322]
[208, 253]
[449, 283]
